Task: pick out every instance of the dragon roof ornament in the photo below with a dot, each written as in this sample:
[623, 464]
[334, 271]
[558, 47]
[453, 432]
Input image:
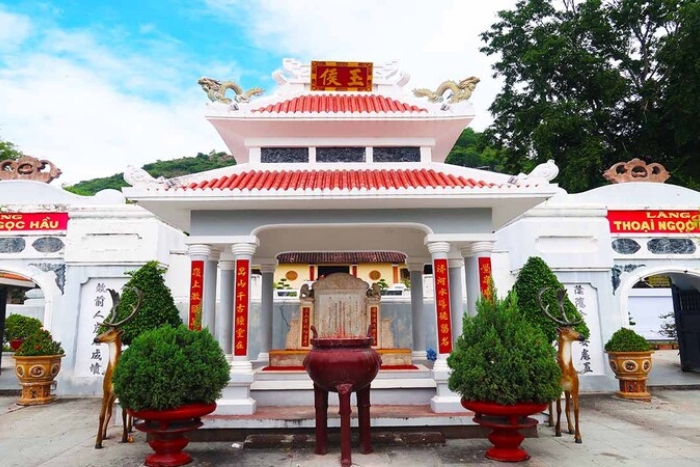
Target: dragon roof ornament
[216, 91]
[29, 168]
[461, 91]
[636, 170]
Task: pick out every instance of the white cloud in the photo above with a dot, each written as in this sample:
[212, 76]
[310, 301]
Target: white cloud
[433, 41]
[94, 101]
[14, 30]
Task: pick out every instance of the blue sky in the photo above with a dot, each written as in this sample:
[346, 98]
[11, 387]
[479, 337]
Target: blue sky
[97, 85]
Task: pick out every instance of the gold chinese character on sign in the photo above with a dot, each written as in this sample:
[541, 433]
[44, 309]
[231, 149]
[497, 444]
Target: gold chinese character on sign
[486, 268]
[240, 308]
[242, 271]
[196, 272]
[441, 281]
[240, 321]
[241, 296]
[240, 332]
[445, 341]
[441, 269]
[444, 328]
[355, 78]
[330, 77]
[195, 296]
[239, 345]
[442, 316]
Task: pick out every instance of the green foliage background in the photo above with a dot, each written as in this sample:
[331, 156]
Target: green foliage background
[20, 327]
[535, 275]
[501, 357]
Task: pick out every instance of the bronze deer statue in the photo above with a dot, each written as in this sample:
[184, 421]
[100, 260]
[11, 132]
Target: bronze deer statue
[569, 378]
[113, 338]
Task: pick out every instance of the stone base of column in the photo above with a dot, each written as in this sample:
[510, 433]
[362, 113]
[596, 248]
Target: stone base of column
[444, 401]
[419, 355]
[235, 398]
[264, 358]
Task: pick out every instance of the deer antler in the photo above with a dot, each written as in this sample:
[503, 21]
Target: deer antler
[115, 302]
[561, 296]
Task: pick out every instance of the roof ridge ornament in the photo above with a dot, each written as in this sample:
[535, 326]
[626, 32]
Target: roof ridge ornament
[461, 91]
[636, 170]
[139, 178]
[216, 91]
[543, 173]
[29, 168]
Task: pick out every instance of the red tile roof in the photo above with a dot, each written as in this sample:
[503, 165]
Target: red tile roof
[352, 103]
[355, 257]
[337, 179]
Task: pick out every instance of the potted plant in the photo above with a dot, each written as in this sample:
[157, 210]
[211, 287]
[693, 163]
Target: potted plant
[37, 362]
[629, 356]
[169, 378]
[505, 369]
[18, 328]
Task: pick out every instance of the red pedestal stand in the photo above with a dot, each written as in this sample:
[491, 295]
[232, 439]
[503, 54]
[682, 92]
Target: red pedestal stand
[505, 422]
[167, 430]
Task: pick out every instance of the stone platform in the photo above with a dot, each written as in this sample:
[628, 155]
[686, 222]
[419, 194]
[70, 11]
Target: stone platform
[294, 359]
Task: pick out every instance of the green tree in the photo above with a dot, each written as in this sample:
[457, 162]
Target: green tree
[472, 150]
[157, 308]
[9, 151]
[589, 83]
[535, 275]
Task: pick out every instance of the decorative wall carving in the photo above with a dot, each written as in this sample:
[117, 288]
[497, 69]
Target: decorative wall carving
[676, 246]
[12, 245]
[284, 155]
[58, 269]
[618, 270]
[333, 154]
[48, 244]
[625, 246]
[636, 170]
[29, 168]
[396, 154]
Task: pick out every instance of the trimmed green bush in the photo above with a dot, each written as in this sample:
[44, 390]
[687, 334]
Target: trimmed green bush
[20, 327]
[168, 367]
[626, 340]
[38, 344]
[535, 275]
[158, 307]
[501, 357]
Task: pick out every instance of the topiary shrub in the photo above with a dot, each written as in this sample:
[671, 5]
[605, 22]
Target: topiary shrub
[626, 340]
[158, 307]
[535, 275]
[501, 357]
[20, 327]
[168, 367]
[39, 344]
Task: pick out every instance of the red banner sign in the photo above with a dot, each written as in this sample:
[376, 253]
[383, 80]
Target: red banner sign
[196, 289]
[240, 328]
[13, 222]
[341, 76]
[485, 276]
[442, 304]
[667, 222]
[305, 326]
[373, 319]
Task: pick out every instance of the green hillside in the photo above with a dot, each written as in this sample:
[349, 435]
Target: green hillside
[168, 169]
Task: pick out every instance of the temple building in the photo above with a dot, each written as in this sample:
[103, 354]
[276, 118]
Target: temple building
[341, 194]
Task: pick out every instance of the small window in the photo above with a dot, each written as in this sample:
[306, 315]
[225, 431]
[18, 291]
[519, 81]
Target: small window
[396, 154]
[284, 155]
[340, 154]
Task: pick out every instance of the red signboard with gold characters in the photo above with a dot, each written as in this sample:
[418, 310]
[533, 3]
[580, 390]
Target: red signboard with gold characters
[442, 303]
[485, 276]
[196, 288]
[341, 76]
[23, 221]
[666, 222]
[240, 328]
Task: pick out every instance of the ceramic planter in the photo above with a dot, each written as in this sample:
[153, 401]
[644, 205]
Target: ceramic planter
[632, 370]
[505, 421]
[167, 429]
[36, 375]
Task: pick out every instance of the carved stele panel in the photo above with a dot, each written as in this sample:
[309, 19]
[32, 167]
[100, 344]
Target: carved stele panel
[341, 305]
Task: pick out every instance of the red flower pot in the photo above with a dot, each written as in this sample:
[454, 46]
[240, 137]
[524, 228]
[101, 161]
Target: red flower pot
[505, 422]
[167, 430]
[15, 344]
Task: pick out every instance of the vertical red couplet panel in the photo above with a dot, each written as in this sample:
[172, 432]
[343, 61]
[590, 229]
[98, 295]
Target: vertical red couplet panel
[442, 305]
[240, 326]
[305, 323]
[485, 276]
[196, 288]
[373, 319]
